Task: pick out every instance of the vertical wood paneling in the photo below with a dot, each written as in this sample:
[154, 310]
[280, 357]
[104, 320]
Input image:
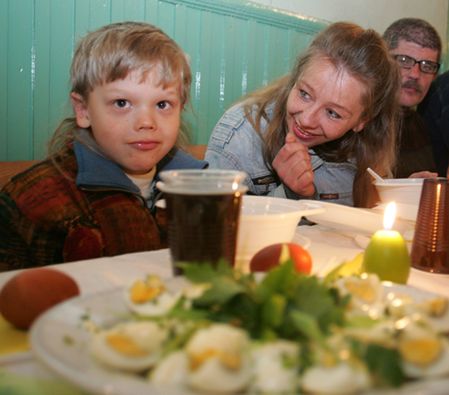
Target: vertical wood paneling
[187, 34]
[234, 48]
[236, 58]
[125, 10]
[166, 18]
[19, 105]
[213, 64]
[151, 10]
[43, 122]
[99, 13]
[4, 25]
[81, 18]
[53, 44]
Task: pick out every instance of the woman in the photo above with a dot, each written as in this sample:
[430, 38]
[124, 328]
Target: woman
[313, 133]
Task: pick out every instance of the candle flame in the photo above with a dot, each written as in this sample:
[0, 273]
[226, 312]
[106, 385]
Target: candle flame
[389, 215]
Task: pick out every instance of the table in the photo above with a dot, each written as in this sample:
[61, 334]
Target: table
[327, 246]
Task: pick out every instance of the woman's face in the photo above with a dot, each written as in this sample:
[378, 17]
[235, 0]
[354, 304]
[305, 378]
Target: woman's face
[324, 104]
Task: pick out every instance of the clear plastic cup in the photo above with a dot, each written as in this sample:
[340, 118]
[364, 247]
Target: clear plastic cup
[203, 210]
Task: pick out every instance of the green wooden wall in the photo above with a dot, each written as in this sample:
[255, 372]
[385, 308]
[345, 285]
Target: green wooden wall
[234, 47]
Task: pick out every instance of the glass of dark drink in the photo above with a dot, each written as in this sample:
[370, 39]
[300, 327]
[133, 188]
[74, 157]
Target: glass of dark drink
[203, 210]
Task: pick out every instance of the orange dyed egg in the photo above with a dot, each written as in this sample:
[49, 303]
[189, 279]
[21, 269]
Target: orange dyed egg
[28, 294]
[275, 254]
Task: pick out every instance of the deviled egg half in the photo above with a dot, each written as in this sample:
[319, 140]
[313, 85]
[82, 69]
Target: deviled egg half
[367, 294]
[433, 309]
[215, 359]
[275, 366]
[129, 346]
[425, 353]
[151, 296]
[336, 370]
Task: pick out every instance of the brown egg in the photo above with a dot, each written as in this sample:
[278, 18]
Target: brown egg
[275, 254]
[28, 294]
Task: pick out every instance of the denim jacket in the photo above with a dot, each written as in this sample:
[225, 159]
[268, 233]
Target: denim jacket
[234, 144]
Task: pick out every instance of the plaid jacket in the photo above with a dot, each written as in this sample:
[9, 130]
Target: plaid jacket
[55, 213]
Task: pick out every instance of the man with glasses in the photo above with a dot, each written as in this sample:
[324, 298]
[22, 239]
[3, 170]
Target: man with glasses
[416, 46]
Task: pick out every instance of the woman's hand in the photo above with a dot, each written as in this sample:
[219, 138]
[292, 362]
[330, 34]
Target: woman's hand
[293, 166]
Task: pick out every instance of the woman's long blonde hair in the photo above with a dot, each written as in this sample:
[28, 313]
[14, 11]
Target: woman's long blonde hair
[111, 53]
[364, 55]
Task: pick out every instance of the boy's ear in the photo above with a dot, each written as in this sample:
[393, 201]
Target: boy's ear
[80, 108]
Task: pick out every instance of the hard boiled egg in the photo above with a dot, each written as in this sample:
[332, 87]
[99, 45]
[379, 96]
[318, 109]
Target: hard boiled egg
[219, 359]
[129, 346]
[433, 309]
[342, 378]
[151, 296]
[367, 294]
[275, 367]
[171, 370]
[424, 352]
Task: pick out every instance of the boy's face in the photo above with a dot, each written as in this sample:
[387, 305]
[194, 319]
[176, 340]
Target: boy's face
[135, 122]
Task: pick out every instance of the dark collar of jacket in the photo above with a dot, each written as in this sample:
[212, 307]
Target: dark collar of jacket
[95, 170]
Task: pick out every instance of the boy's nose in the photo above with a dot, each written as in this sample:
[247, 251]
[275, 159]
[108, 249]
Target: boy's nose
[146, 120]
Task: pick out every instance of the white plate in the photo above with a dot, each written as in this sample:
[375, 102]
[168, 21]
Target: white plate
[351, 219]
[59, 340]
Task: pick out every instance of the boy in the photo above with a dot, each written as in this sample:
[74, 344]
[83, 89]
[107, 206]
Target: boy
[94, 195]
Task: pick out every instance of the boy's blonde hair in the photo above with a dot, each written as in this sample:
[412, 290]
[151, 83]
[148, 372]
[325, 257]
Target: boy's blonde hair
[111, 53]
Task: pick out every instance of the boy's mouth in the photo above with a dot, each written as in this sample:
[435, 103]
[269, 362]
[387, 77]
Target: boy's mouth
[145, 145]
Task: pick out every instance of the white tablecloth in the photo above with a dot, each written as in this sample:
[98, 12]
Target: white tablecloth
[327, 246]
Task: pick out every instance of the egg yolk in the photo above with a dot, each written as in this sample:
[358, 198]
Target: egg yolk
[229, 360]
[422, 351]
[437, 306]
[125, 345]
[361, 290]
[145, 291]
[328, 359]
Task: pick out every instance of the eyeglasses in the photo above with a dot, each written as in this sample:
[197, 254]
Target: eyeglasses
[426, 66]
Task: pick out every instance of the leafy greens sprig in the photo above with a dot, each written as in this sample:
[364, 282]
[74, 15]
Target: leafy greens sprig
[283, 304]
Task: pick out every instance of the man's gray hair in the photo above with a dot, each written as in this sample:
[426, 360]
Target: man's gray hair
[414, 30]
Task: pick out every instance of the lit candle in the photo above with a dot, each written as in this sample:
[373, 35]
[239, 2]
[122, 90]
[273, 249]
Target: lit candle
[387, 254]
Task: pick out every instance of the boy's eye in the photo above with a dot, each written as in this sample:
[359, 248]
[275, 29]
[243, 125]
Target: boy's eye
[121, 103]
[162, 105]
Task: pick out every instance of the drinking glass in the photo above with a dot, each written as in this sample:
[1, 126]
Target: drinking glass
[430, 248]
[203, 210]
